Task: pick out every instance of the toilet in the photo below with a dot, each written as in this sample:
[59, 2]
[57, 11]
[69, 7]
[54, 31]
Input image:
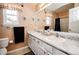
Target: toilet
[3, 44]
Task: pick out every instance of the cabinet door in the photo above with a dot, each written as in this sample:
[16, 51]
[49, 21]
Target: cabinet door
[48, 53]
[41, 51]
[29, 42]
[41, 48]
[34, 46]
[57, 52]
[47, 47]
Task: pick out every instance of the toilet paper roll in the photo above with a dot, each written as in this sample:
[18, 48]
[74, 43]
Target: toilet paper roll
[11, 41]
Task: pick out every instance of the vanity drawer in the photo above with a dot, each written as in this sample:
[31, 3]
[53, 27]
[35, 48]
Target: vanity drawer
[33, 38]
[46, 46]
[57, 52]
[30, 36]
[48, 53]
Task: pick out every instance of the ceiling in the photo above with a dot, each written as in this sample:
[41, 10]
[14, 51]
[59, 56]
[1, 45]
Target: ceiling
[57, 7]
[65, 8]
[51, 8]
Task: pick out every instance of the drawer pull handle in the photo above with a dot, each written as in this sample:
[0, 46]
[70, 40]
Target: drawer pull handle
[34, 39]
[38, 42]
[44, 52]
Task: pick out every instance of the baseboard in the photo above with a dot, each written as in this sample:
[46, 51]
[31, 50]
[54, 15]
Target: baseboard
[19, 51]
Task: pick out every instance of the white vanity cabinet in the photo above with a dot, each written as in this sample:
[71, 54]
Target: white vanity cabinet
[57, 52]
[41, 48]
[34, 45]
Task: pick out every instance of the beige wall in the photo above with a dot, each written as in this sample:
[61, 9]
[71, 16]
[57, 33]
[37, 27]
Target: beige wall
[76, 5]
[28, 23]
[64, 20]
[33, 20]
[28, 11]
[1, 23]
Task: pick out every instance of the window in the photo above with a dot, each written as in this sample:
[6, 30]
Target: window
[11, 17]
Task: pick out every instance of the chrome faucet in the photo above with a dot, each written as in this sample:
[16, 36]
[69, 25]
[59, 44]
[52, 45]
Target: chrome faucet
[57, 35]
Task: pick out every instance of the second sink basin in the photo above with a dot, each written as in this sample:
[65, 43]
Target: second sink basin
[55, 39]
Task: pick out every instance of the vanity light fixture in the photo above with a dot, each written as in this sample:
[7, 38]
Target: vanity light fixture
[47, 19]
[33, 19]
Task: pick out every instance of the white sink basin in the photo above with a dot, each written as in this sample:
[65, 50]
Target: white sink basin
[56, 39]
[61, 39]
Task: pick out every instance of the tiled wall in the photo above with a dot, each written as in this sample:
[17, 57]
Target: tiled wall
[72, 36]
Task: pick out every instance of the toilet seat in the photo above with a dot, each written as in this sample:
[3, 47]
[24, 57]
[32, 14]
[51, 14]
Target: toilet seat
[3, 51]
[3, 44]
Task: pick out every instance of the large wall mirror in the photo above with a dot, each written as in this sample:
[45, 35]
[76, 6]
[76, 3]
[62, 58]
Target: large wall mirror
[68, 14]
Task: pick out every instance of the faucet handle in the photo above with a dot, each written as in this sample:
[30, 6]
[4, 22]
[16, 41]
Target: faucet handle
[57, 35]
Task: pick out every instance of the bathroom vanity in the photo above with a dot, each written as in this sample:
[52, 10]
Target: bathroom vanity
[42, 44]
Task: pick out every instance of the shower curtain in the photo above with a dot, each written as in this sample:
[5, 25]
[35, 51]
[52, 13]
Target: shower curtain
[57, 24]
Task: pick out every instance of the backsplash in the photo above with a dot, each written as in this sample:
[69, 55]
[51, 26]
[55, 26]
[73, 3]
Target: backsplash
[72, 36]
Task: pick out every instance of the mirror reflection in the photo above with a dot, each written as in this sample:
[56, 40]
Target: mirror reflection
[65, 17]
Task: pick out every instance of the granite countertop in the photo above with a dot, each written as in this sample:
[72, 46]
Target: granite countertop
[67, 45]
